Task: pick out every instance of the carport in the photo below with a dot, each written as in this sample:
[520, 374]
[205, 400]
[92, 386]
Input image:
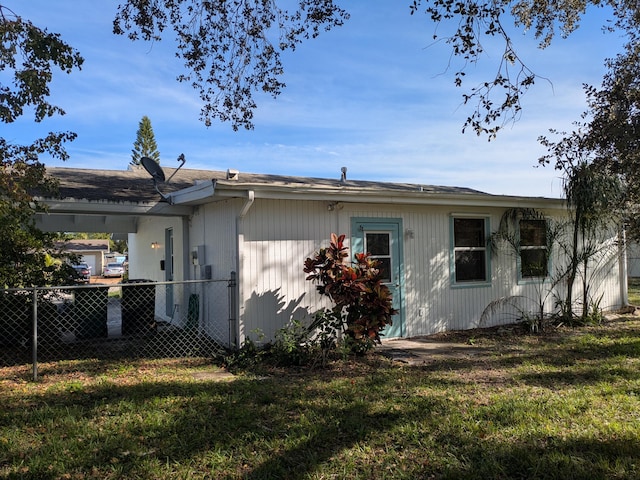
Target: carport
[112, 201]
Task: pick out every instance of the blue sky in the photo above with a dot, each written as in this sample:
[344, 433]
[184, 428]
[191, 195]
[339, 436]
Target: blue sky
[374, 96]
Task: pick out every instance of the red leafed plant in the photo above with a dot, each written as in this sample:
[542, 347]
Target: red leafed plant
[362, 303]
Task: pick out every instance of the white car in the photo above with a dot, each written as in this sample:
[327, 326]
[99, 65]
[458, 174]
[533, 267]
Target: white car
[113, 270]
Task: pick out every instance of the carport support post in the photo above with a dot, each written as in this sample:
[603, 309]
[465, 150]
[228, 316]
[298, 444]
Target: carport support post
[34, 340]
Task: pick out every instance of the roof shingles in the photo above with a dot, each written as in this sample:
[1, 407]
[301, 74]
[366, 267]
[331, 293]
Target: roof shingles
[135, 184]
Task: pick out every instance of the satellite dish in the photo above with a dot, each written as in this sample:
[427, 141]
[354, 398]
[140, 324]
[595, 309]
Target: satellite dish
[153, 168]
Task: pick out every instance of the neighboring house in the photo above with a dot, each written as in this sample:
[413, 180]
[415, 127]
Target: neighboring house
[432, 240]
[92, 252]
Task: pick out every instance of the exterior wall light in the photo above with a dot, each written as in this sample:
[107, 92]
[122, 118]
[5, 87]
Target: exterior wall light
[155, 245]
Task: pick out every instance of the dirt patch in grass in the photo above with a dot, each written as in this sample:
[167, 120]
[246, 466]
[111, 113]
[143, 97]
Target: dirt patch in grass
[214, 375]
[521, 334]
[489, 355]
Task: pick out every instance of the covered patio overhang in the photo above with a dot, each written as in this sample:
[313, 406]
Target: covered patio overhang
[118, 218]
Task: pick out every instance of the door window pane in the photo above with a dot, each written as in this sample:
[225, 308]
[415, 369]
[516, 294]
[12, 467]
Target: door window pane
[385, 269]
[378, 244]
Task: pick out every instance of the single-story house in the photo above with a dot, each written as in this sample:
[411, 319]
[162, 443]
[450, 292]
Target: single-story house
[432, 240]
[91, 251]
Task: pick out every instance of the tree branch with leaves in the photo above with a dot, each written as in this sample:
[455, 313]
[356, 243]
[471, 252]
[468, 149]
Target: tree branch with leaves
[230, 49]
[29, 56]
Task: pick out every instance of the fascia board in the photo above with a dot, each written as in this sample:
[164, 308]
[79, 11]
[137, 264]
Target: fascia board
[193, 195]
[396, 198]
[100, 207]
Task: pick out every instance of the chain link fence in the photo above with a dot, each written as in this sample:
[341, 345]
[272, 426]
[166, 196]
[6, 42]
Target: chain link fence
[132, 319]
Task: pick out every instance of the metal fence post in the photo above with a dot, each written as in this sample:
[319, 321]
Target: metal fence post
[232, 309]
[34, 339]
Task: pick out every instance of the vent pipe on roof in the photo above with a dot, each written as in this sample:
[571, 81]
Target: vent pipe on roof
[343, 177]
[232, 174]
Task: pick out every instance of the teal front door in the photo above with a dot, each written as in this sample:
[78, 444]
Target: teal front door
[381, 237]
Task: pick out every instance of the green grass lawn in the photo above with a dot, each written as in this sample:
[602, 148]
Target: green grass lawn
[563, 404]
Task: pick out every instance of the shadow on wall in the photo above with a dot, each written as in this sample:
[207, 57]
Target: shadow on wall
[268, 312]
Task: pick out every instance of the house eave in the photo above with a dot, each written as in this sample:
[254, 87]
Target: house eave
[105, 207]
[193, 195]
[72, 215]
[223, 190]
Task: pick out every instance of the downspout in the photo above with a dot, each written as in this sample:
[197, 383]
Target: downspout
[248, 203]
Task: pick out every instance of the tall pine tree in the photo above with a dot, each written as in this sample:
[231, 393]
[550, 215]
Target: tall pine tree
[145, 144]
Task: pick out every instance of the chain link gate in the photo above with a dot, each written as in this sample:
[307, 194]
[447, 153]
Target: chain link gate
[132, 319]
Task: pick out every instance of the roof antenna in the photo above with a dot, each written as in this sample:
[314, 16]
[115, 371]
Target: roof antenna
[343, 177]
[181, 160]
[153, 168]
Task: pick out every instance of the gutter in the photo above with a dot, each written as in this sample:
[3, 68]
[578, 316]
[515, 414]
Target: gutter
[387, 197]
[427, 200]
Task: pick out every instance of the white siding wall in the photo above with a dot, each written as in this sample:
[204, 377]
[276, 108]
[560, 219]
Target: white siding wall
[279, 235]
[269, 245]
[144, 261]
[214, 226]
[633, 259]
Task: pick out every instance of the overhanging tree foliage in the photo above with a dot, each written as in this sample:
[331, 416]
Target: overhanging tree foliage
[28, 58]
[604, 149]
[232, 49]
[612, 129]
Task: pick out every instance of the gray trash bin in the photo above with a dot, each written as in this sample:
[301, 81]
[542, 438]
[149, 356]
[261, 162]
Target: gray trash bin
[16, 324]
[138, 307]
[90, 311]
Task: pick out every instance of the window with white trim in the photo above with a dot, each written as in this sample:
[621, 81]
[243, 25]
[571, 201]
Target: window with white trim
[534, 257]
[469, 250]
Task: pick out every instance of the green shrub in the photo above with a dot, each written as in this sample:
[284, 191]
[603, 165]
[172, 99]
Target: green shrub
[362, 303]
[293, 345]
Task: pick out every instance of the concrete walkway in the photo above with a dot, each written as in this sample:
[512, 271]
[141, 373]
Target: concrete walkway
[420, 351]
